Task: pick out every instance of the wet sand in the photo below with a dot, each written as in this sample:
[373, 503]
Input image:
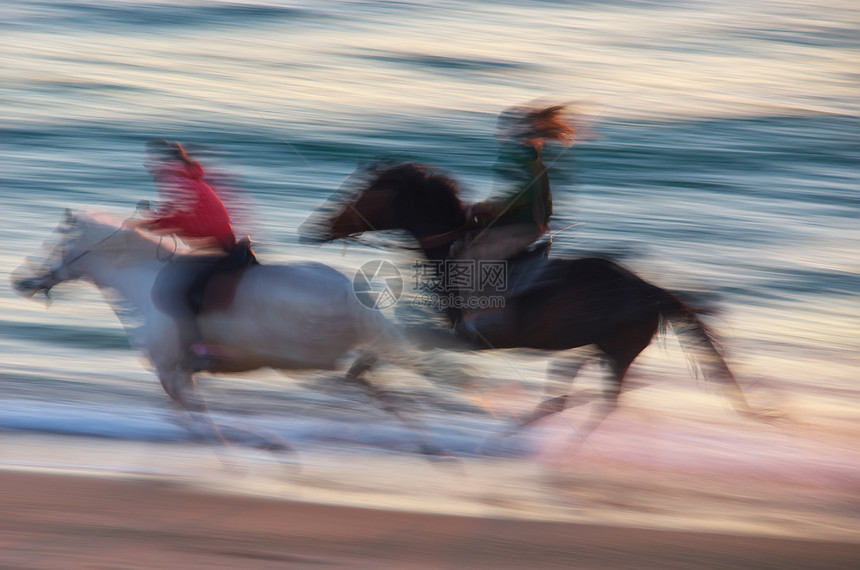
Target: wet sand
[72, 521]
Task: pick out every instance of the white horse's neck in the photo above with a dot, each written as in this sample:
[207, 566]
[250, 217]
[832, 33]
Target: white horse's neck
[133, 283]
[124, 261]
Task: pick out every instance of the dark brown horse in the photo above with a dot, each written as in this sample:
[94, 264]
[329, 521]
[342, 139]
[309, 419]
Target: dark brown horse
[559, 304]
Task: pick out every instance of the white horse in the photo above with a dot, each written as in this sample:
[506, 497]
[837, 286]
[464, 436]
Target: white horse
[287, 317]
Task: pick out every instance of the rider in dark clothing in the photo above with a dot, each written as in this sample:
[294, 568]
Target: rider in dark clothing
[519, 214]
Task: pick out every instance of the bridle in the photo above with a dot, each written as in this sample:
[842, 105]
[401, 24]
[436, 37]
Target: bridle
[54, 273]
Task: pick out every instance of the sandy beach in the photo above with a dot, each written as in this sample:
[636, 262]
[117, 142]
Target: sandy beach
[223, 518]
[51, 521]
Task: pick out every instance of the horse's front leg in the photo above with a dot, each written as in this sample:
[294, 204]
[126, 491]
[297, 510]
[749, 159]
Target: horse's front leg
[162, 346]
[179, 384]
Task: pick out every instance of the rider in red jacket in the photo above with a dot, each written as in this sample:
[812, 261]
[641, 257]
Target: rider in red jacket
[192, 211]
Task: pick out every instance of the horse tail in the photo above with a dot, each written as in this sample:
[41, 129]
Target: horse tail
[700, 346]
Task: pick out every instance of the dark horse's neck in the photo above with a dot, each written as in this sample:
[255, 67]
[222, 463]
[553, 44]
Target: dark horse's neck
[428, 207]
[436, 235]
[436, 246]
[435, 251]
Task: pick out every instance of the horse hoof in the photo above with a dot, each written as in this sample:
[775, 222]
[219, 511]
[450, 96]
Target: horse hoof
[446, 462]
[435, 452]
[766, 414]
[770, 414]
[276, 447]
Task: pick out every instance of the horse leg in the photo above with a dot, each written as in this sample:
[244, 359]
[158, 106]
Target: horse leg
[610, 399]
[604, 407]
[621, 349]
[362, 364]
[386, 401]
[180, 386]
[566, 366]
[182, 389]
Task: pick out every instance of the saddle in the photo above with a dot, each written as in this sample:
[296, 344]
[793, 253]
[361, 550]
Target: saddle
[527, 272]
[216, 286]
[531, 269]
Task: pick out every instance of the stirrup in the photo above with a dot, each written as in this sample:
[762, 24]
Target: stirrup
[192, 363]
[202, 357]
[202, 350]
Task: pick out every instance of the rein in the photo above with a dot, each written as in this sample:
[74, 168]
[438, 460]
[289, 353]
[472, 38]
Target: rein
[80, 255]
[171, 254]
[67, 263]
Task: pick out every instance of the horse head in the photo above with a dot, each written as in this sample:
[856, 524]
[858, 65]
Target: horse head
[407, 196]
[76, 236]
[39, 274]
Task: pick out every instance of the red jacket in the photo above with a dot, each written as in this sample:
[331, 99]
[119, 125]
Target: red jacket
[192, 209]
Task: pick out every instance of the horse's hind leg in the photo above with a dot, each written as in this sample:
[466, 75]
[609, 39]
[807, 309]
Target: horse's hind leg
[621, 350]
[386, 401]
[566, 366]
[605, 405]
[620, 347]
[609, 402]
[362, 364]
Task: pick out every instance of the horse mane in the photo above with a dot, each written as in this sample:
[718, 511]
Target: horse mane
[422, 195]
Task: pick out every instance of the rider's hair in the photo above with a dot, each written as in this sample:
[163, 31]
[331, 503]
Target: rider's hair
[171, 150]
[180, 154]
[535, 126]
